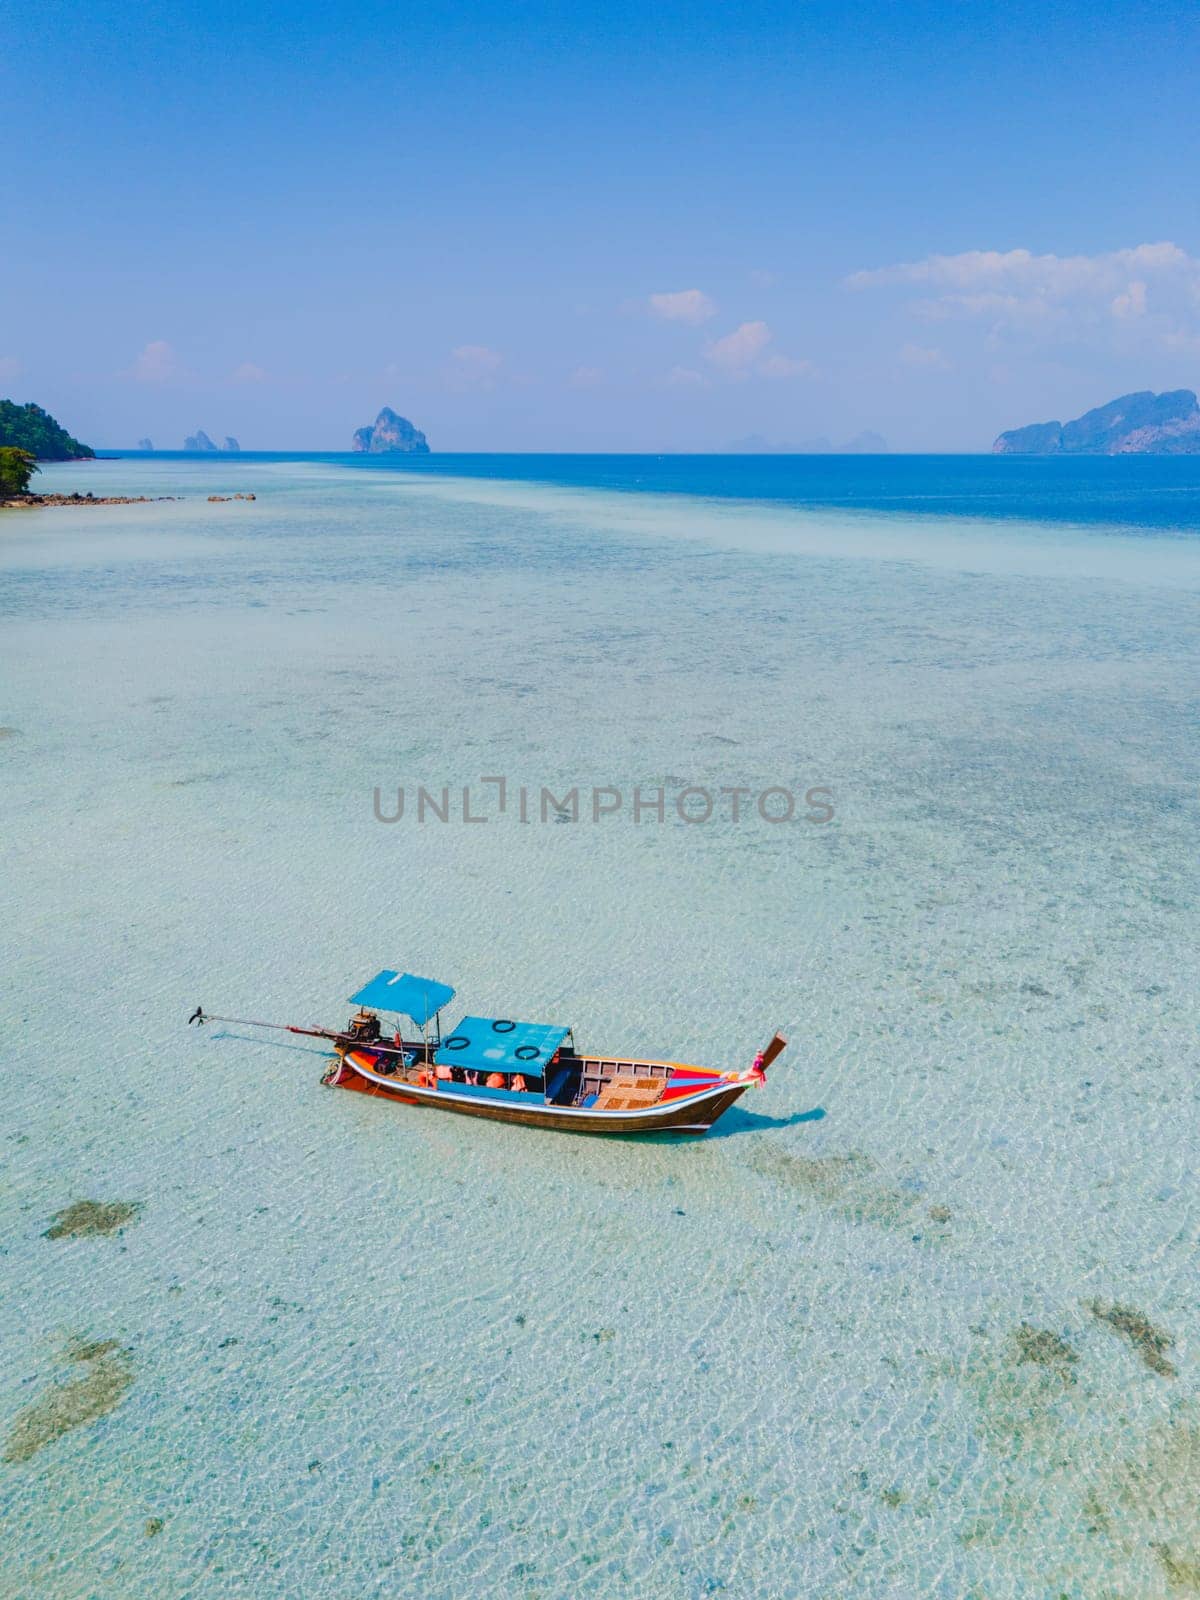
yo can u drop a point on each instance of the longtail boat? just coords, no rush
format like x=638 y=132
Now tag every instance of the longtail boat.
x=525 y=1072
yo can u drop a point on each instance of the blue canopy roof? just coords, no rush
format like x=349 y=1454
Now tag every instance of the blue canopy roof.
x=418 y=998
x=497 y=1045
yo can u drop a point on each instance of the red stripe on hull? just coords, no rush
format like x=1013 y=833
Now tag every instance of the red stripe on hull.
x=683 y=1116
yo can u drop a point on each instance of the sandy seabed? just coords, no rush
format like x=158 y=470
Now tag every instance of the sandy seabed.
x=919 y=1319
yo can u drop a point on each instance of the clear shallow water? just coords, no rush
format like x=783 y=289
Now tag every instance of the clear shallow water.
x=384 y=1352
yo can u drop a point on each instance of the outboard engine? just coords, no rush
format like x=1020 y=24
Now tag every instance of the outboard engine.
x=364 y=1027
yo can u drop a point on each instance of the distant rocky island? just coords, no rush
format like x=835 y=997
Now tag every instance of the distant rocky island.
x=30 y=428
x=200 y=441
x=390 y=435
x=1143 y=424
x=146 y=444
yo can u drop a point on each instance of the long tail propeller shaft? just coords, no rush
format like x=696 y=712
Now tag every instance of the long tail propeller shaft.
x=201 y=1016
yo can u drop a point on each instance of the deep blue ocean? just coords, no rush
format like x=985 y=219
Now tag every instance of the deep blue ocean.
x=1159 y=492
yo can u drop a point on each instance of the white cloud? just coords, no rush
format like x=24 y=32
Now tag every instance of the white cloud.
x=761 y=278
x=1156 y=286
x=742 y=354
x=10 y=367
x=684 y=305
x=1132 y=303
x=156 y=364
x=585 y=378
x=475 y=366
x=737 y=350
x=921 y=355
x=249 y=373
x=1022 y=272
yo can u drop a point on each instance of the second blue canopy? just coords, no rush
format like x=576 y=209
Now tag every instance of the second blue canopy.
x=495 y=1044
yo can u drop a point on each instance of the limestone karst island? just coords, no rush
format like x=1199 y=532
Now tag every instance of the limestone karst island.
x=1135 y=424
x=390 y=435
x=200 y=441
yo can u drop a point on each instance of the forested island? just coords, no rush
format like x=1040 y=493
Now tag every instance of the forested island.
x=30 y=428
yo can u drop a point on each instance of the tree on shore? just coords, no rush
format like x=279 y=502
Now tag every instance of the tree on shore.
x=30 y=428
x=17 y=467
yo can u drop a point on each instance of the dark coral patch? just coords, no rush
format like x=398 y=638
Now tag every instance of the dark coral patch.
x=1045 y=1349
x=85 y=1219
x=106 y=1377
x=1140 y=1333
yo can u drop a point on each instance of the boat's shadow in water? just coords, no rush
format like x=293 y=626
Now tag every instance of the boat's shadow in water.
x=736 y=1120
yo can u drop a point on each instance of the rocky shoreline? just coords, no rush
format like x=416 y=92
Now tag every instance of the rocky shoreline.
x=28 y=502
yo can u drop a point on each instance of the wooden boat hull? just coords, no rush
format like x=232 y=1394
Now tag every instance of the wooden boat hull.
x=692 y=1114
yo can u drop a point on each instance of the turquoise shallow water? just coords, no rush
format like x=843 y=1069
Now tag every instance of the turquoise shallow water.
x=845 y=1346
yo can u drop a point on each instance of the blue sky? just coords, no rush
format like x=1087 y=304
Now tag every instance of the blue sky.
x=642 y=227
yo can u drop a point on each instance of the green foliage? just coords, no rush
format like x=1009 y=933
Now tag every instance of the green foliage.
x=30 y=428
x=16 y=469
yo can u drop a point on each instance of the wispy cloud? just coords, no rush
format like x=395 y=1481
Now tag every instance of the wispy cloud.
x=683 y=305
x=923 y=355
x=686 y=378
x=1147 y=290
x=10 y=367
x=156 y=364
x=475 y=366
x=248 y=372
x=762 y=278
x=776 y=366
x=743 y=353
x=586 y=378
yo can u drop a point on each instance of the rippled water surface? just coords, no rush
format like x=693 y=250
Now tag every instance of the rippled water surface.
x=919 y=1319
